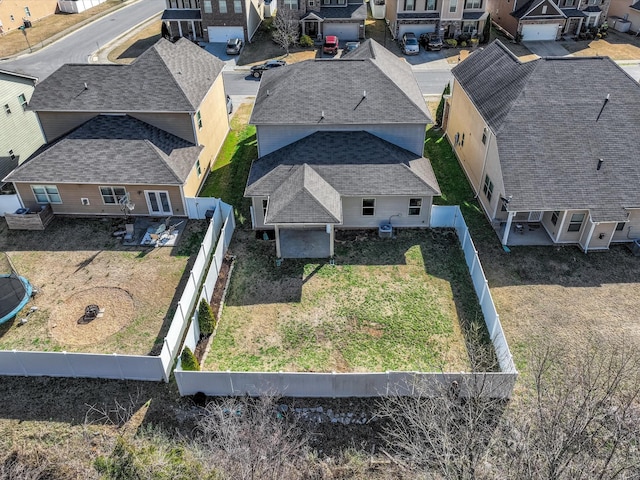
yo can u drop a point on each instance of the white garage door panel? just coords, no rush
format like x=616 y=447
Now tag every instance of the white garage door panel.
x=417 y=29
x=344 y=31
x=539 y=32
x=222 y=34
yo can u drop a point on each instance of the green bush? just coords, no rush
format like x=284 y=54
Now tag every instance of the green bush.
x=463 y=44
x=206 y=319
x=189 y=360
x=305 y=41
x=452 y=42
x=440 y=109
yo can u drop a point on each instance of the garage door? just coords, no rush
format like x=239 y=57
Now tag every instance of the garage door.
x=222 y=34
x=417 y=29
x=531 y=33
x=344 y=31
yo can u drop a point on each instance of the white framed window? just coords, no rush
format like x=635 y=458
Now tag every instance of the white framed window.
x=575 y=224
x=199 y=119
x=207 y=6
x=112 y=195
x=554 y=217
x=46 y=194
x=468 y=27
x=473 y=4
x=431 y=5
x=415 y=206
x=620 y=226
x=222 y=6
x=569 y=3
x=7 y=108
x=265 y=203
x=198 y=168
x=487 y=188
x=12 y=155
x=292 y=4
x=484 y=136
x=544 y=9
x=409 y=5
x=368 y=207
x=453 y=6
x=237 y=6
x=23 y=101
x=341 y=2
x=312 y=3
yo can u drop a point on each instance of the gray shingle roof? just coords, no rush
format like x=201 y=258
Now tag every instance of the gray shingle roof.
x=114 y=150
x=418 y=15
x=636 y=6
x=351 y=164
x=181 y=14
x=544 y=115
x=573 y=13
x=299 y=93
x=352 y=11
x=167 y=77
x=592 y=9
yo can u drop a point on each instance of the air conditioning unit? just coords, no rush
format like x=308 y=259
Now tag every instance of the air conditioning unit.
x=385 y=231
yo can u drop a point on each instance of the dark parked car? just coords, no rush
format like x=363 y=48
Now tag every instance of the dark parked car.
x=349 y=46
x=257 y=70
x=434 y=42
x=234 y=45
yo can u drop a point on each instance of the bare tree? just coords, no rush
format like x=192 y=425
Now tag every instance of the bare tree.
x=287 y=28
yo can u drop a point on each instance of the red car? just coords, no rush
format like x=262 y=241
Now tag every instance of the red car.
x=330 y=45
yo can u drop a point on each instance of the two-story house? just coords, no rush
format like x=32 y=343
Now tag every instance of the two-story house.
x=20 y=132
x=214 y=20
x=343 y=18
x=149 y=131
x=533 y=20
x=13 y=14
x=449 y=18
x=339 y=158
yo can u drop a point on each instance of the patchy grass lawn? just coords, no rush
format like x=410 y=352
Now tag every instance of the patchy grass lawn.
x=77 y=262
x=406 y=304
x=42 y=30
x=136 y=44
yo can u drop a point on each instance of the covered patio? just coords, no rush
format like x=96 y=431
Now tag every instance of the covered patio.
x=184 y=22
x=524 y=233
x=304 y=243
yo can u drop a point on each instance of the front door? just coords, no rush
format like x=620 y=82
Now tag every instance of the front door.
x=312 y=29
x=158 y=202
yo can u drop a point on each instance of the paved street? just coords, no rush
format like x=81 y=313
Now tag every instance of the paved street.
x=78 y=46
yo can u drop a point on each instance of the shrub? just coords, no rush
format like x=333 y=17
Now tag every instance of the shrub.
x=440 y=109
x=305 y=41
x=474 y=41
x=486 y=31
x=206 y=319
x=453 y=43
x=463 y=38
x=189 y=360
x=463 y=44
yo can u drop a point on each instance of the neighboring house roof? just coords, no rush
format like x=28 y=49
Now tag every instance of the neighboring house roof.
x=533 y=4
x=302 y=93
x=592 y=9
x=349 y=163
x=418 y=15
x=167 y=77
x=474 y=15
x=636 y=6
x=573 y=13
x=551 y=129
x=357 y=11
x=112 y=150
x=15 y=74
x=181 y=14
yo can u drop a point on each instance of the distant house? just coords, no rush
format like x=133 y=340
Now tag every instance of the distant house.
x=345 y=154
x=14 y=14
x=535 y=20
x=214 y=20
x=20 y=132
x=549 y=146
x=77 y=6
x=449 y=18
x=624 y=15
x=149 y=130
x=343 y=18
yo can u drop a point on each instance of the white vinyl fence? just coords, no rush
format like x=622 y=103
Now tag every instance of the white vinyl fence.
x=494 y=384
x=136 y=367
x=77 y=6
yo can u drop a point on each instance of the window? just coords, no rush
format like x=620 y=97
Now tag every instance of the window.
x=112 y=195
x=12 y=18
x=12 y=155
x=326 y=2
x=594 y=2
x=415 y=205
x=620 y=226
x=453 y=6
x=473 y=4
x=198 y=168
x=312 y=3
x=222 y=5
x=469 y=27
x=576 y=222
x=7 y=109
x=237 y=6
x=199 y=118
x=368 y=206
x=209 y=9
x=409 y=5
x=484 y=136
x=554 y=217
x=569 y=3
x=27 y=12
x=544 y=9
x=265 y=202
x=462 y=141
x=292 y=4
x=340 y=2
x=23 y=101
x=488 y=187
x=431 y=5
x=46 y=193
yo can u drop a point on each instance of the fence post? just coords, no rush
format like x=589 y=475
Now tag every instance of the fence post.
x=484 y=292
x=17 y=355
x=475 y=261
x=117 y=357
x=73 y=373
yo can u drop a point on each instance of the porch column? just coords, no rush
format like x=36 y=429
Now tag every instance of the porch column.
x=180 y=28
x=331 y=230
x=278 y=254
x=580 y=25
x=586 y=244
x=561 y=228
x=507 y=228
x=193 y=29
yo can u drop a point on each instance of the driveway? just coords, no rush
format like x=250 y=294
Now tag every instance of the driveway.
x=220 y=51
x=547 y=49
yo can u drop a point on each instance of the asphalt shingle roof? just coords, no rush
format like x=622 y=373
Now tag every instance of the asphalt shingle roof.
x=167 y=77
x=549 y=137
x=300 y=93
x=181 y=14
x=418 y=15
x=636 y=6
x=573 y=13
x=357 y=11
x=112 y=149
x=349 y=163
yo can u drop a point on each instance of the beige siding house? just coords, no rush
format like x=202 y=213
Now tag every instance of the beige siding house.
x=623 y=11
x=537 y=183
x=20 y=132
x=13 y=13
x=150 y=130
x=340 y=158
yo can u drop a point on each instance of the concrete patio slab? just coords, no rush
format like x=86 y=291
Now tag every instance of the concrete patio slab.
x=304 y=243
x=547 y=49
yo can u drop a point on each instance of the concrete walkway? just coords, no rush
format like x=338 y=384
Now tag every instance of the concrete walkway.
x=547 y=49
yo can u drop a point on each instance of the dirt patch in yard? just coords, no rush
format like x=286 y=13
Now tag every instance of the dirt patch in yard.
x=618 y=46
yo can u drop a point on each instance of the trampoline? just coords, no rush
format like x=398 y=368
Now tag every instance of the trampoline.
x=15 y=291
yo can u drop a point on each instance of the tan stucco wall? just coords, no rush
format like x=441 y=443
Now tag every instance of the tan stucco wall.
x=72 y=194
x=37 y=8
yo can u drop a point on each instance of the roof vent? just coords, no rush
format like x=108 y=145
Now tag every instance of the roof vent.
x=322 y=114
x=86 y=87
x=600 y=162
x=364 y=94
x=268 y=93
